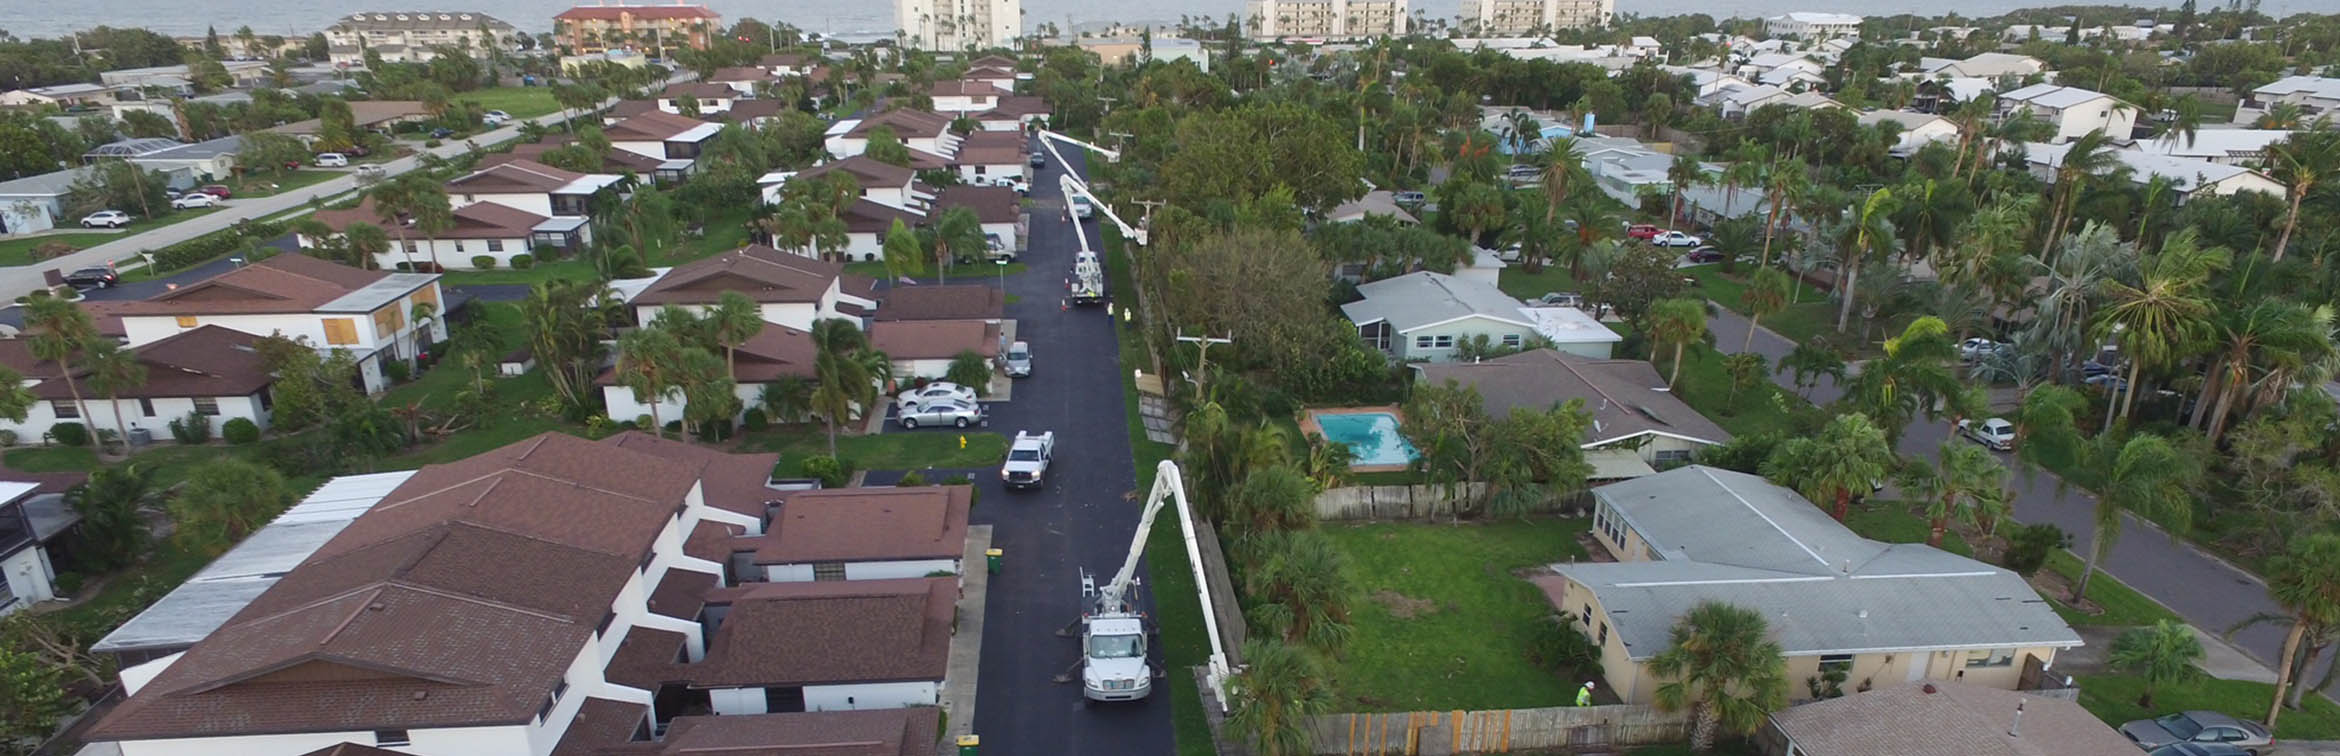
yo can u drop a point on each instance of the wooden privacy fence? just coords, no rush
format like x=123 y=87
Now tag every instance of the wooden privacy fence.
x=1442 y=733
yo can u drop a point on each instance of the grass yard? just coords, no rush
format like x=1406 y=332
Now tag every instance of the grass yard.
x=1812 y=316
x=51 y=458
x=519 y=102
x=962 y=273
x=1897 y=522
x=1758 y=408
x=270 y=184
x=575 y=270
x=899 y=450
x=2113 y=698
x=20 y=251
x=1442 y=622
x=2123 y=606
x=1519 y=283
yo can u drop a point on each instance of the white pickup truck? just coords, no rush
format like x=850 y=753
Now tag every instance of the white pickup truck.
x=1027 y=459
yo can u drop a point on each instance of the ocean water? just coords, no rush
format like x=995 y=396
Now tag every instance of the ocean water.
x=43 y=18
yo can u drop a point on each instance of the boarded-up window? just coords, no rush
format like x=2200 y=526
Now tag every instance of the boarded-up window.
x=386 y=322
x=186 y=321
x=340 y=331
x=430 y=294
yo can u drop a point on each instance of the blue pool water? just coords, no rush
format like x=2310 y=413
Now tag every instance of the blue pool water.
x=1371 y=436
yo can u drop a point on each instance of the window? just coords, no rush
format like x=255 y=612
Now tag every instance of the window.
x=1513 y=340
x=340 y=331
x=1604 y=635
x=1841 y=662
x=387 y=321
x=411 y=249
x=495 y=245
x=64 y=410
x=1421 y=342
x=1673 y=456
x=186 y=321
x=1990 y=657
x=1586 y=617
x=1443 y=342
x=145 y=407
x=390 y=738
x=205 y=405
x=828 y=571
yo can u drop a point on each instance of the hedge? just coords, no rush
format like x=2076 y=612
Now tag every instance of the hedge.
x=203 y=249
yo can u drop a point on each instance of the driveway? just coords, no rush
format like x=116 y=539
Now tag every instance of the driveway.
x=2202 y=588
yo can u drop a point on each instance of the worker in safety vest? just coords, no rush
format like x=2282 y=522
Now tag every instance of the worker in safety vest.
x=1584 y=695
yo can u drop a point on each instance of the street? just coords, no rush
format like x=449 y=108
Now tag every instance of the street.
x=2201 y=588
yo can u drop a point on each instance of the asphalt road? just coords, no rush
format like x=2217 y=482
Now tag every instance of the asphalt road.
x=2203 y=589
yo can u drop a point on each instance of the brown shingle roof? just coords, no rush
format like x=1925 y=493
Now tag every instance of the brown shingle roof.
x=731 y=482
x=210 y=361
x=680 y=594
x=779 y=60
x=868 y=525
x=1625 y=397
x=953 y=302
x=748 y=110
x=741 y=73
x=874 y=732
x=906 y=124
x=479 y=220
x=287 y=283
x=762 y=273
x=1955 y=719
x=705 y=90
x=625 y=109
x=966 y=88
x=645 y=658
x=775 y=352
x=934 y=339
x=864 y=169
x=1015 y=107
x=16 y=354
x=864 y=216
x=513 y=177
x=603 y=727
x=789 y=634
x=993 y=61
x=992 y=204
x=656 y=125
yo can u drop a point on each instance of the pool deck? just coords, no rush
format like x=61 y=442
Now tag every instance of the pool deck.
x=1308 y=425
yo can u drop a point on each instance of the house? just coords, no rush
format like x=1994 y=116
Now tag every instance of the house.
x=37 y=203
x=1881 y=613
x=375 y=315
x=1376 y=202
x=1939 y=95
x=414 y=37
x=1114 y=51
x=2072 y=110
x=673 y=140
x=1938 y=716
x=63 y=96
x=1917 y=129
x=2314 y=95
x=988 y=156
x=742 y=79
x=788 y=289
x=590 y=29
x=882 y=183
x=1000 y=72
x=241 y=74
x=1638 y=425
x=996 y=208
x=1813 y=26
x=1014 y=113
x=1762 y=68
x=788 y=64
x=925 y=348
x=870 y=732
x=706 y=98
x=480 y=229
x=960 y=97
x=202 y=162
x=564 y=198
x=1986 y=65
x=1707 y=84
x=776 y=352
x=860 y=534
x=944 y=302
x=29 y=519
x=928 y=135
x=515 y=602
x=2187 y=177
x=372 y=115
x=1422 y=317
x=208 y=371
x=2238 y=147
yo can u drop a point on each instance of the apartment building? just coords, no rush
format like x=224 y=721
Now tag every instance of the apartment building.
x=412 y=36
x=592 y=29
x=1271 y=20
x=1520 y=18
x=959 y=24
x=1813 y=26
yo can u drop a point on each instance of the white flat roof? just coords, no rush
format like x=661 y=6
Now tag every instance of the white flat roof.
x=1568 y=325
x=12 y=490
x=589 y=183
x=839 y=128
x=696 y=133
x=562 y=223
x=379 y=293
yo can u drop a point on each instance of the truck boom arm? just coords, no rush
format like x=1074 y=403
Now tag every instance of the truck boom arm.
x=1071 y=184
x=1169 y=486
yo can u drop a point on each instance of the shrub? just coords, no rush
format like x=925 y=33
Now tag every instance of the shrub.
x=523 y=262
x=68 y=583
x=483 y=262
x=195 y=428
x=431 y=143
x=397 y=371
x=240 y=431
x=53 y=250
x=970 y=369
x=715 y=430
x=754 y=420
x=831 y=473
x=69 y=434
x=2028 y=547
x=7 y=437
x=911 y=479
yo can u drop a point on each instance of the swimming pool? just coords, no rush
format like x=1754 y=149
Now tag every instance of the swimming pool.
x=1372 y=437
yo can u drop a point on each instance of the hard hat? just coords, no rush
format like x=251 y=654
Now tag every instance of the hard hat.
x=1588 y=684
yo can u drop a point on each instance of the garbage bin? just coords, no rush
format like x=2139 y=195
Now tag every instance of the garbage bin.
x=967 y=743
x=141 y=437
x=991 y=559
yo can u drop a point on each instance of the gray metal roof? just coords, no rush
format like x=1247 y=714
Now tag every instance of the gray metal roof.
x=382 y=291
x=207 y=600
x=49 y=515
x=1625 y=397
x=1735 y=538
x=133 y=147
x=45 y=185
x=226 y=145
x=1425 y=298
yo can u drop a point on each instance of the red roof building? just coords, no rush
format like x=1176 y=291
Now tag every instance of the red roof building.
x=589 y=29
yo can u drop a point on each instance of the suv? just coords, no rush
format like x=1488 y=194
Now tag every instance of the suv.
x=105 y=219
x=217 y=190
x=1082 y=208
x=332 y=160
x=996 y=250
x=1642 y=231
x=1039 y=160
x=1027 y=459
x=93 y=277
x=1017 y=363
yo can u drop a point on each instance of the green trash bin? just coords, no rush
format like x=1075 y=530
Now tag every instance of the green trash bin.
x=991 y=561
x=968 y=743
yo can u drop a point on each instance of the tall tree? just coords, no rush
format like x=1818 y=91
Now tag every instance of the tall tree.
x=112 y=370
x=1721 y=664
x=842 y=381
x=2162 y=653
x=567 y=320
x=2084 y=158
x=649 y=363
x=2145 y=475
x=224 y=500
x=1677 y=322
x=111 y=504
x=957 y=232
x=1912 y=377
x=2301 y=162
x=1966 y=484
x=61 y=332
x=1848 y=455
x=1280 y=687
x=2165 y=316
x=1766 y=295
x=902 y=253
x=2305 y=580
x=1868 y=228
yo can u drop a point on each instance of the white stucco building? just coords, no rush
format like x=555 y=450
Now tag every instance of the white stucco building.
x=1520 y=18
x=2072 y=110
x=376 y=316
x=1270 y=20
x=959 y=24
x=1806 y=25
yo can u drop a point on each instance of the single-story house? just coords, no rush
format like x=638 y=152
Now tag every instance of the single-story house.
x=203 y=162
x=1986 y=65
x=67 y=96
x=1422 y=316
x=1638 y=424
x=479 y=229
x=982 y=302
x=37 y=203
x=826 y=645
x=673 y=140
x=925 y=348
x=1939 y=716
x=1881 y=613
x=1376 y=202
x=1917 y=129
x=707 y=97
x=877 y=533
x=776 y=352
x=209 y=371
x=375 y=115
x=742 y=79
x=790 y=290
x=2313 y=94
x=2072 y=110
x=2188 y=177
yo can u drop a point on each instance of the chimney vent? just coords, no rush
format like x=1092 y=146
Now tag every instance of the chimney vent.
x=1929 y=688
x=2016 y=730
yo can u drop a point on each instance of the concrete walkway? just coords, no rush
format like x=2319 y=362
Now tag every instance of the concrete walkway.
x=959 y=677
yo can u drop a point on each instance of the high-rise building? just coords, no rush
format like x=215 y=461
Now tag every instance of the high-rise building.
x=1520 y=18
x=414 y=36
x=589 y=29
x=1328 y=19
x=959 y=24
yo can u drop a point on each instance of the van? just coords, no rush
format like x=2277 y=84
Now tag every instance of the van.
x=332 y=160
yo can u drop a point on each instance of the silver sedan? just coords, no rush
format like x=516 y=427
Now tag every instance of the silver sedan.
x=951 y=413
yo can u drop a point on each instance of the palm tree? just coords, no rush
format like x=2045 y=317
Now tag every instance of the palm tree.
x=956 y=232
x=2146 y=475
x=1677 y=322
x=366 y=243
x=2164 y=317
x=2187 y=124
x=2083 y=159
x=840 y=381
x=1766 y=295
x=1296 y=579
x=392 y=201
x=1966 y=484
x=1929 y=212
x=1725 y=669
x=1867 y=229
x=788 y=399
x=1811 y=361
x=1683 y=174
x=60 y=331
x=1848 y=455
x=1280 y=688
x=2281 y=115
x=1595 y=220
x=1784 y=183
x=649 y=362
x=734 y=320
x=2301 y=162
x=901 y=253
x=1910 y=378
x=112 y=370
x=2247 y=342
x=1563 y=163
x=2306 y=581
x=2161 y=653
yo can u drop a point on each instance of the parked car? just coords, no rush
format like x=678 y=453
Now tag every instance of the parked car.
x=495 y=117
x=332 y=160
x=1027 y=459
x=1082 y=208
x=1409 y=197
x=955 y=414
x=2107 y=381
x=1978 y=348
x=996 y=250
x=1996 y=433
x=172 y=192
x=217 y=190
x=1559 y=299
x=1704 y=255
x=1017 y=363
x=938 y=391
x=2092 y=368
x=93 y=277
x=1021 y=186
x=1522 y=172
x=442 y=132
x=105 y=219
x=1677 y=239
x=197 y=199
x=2199 y=727
x=1039 y=160
x=1642 y=231
x=2197 y=749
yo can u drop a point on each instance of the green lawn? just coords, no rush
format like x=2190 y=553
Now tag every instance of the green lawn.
x=20 y=251
x=51 y=458
x=961 y=272
x=1896 y=522
x=901 y=450
x=1758 y=408
x=270 y=184
x=519 y=102
x=1441 y=622
x=725 y=232
x=1812 y=316
x=2123 y=606
x=1516 y=281
x=575 y=270
x=2113 y=698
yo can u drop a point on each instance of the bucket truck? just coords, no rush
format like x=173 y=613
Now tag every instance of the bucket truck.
x=1113 y=629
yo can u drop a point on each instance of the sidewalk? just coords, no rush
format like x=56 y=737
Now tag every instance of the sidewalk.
x=959 y=677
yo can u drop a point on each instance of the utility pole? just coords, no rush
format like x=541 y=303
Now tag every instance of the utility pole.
x=1203 y=350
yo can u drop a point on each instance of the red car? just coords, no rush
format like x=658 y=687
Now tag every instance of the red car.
x=1643 y=231
x=216 y=190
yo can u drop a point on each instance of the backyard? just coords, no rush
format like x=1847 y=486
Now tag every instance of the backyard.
x=900 y=450
x=1443 y=621
x=519 y=102
x=20 y=251
x=2113 y=698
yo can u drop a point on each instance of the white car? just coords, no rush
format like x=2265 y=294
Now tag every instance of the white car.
x=938 y=391
x=495 y=117
x=1978 y=348
x=1021 y=186
x=107 y=219
x=1676 y=239
x=1996 y=433
x=1081 y=207
x=332 y=160
x=197 y=199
